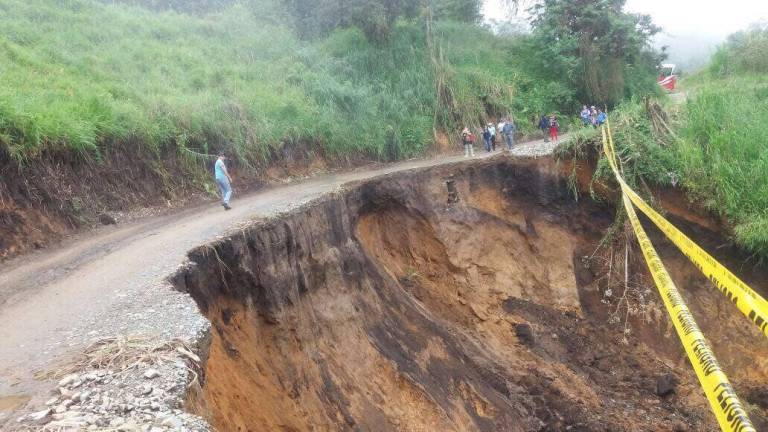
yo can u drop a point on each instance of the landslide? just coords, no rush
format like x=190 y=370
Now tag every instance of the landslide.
x=461 y=297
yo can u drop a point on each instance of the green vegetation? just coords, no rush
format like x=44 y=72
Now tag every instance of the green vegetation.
x=723 y=150
x=205 y=75
x=718 y=146
x=79 y=74
x=599 y=51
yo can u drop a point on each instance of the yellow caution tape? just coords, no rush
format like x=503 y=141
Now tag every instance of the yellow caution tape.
x=730 y=414
x=750 y=303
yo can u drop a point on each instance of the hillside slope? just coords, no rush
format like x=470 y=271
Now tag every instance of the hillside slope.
x=107 y=106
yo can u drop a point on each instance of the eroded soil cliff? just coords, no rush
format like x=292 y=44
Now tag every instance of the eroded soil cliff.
x=460 y=297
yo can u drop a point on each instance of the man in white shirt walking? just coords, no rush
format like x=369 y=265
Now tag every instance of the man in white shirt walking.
x=223 y=180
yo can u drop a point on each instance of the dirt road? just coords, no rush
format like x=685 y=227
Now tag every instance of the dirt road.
x=112 y=281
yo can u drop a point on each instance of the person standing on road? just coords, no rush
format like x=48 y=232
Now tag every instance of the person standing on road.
x=544 y=126
x=601 y=117
x=223 y=180
x=553 y=127
x=487 y=139
x=492 y=129
x=585 y=116
x=468 y=140
x=509 y=133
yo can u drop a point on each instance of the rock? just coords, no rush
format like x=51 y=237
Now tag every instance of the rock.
x=67 y=424
x=146 y=389
x=51 y=401
x=40 y=417
x=61 y=409
x=665 y=385
x=524 y=333
x=129 y=426
x=106 y=219
x=116 y=422
x=151 y=374
x=67 y=380
x=69 y=416
x=172 y=422
x=65 y=393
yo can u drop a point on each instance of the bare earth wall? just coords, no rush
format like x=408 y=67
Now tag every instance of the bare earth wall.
x=451 y=298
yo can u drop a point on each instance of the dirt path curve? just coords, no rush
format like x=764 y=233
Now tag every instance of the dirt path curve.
x=112 y=281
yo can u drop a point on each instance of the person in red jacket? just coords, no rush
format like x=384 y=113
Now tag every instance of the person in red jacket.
x=469 y=142
x=553 y=127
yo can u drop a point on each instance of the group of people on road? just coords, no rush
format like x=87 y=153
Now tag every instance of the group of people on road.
x=549 y=126
x=592 y=116
x=506 y=129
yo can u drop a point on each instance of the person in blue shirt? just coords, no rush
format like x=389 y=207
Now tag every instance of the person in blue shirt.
x=601 y=117
x=223 y=180
x=585 y=116
x=544 y=126
x=492 y=129
x=487 y=138
x=509 y=133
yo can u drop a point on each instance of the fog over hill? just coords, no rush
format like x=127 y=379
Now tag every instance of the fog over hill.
x=689 y=51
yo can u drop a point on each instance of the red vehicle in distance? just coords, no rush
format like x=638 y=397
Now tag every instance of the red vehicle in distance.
x=667 y=77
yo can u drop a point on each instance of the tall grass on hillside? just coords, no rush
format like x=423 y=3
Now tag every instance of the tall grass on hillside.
x=719 y=153
x=724 y=154
x=80 y=74
x=744 y=52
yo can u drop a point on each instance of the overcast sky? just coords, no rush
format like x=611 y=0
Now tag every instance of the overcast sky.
x=684 y=16
x=719 y=18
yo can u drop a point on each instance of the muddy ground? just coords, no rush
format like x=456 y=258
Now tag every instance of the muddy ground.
x=459 y=297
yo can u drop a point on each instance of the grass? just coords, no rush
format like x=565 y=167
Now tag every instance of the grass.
x=723 y=154
x=718 y=151
x=78 y=75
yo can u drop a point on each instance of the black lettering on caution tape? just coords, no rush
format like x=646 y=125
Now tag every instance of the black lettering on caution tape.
x=705 y=357
x=735 y=413
x=686 y=319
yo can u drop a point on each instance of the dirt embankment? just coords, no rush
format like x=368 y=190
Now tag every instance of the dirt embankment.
x=464 y=297
x=58 y=192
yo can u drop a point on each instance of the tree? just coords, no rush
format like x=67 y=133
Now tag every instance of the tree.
x=184 y=6
x=457 y=10
x=609 y=46
x=376 y=18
